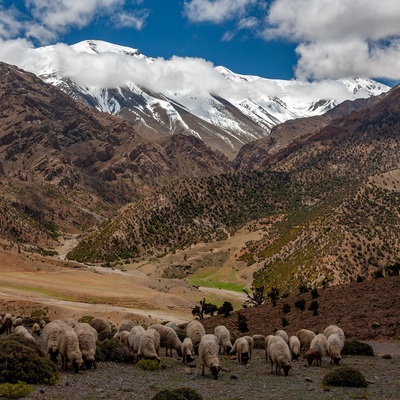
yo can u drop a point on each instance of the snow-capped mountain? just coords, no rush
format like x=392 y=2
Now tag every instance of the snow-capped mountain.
x=186 y=95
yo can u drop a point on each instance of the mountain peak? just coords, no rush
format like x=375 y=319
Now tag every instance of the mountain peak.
x=101 y=47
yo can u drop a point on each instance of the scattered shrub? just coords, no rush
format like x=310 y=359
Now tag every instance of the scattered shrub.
x=225 y=309
x=356 y=348
x=15 y=390
x=113 y=350
x=104 y=335
x=242 y=323
x=285 y=322
x=314 y=307
x=22 y=360
x=148 y=365
x=303 y=289
x=86 y=319
x=178 y=394
x=314 y=294
x=300 y=304
x=286 y=308
x=345 y=376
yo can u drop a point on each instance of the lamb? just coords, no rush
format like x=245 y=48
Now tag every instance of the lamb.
x=68 y=346
x=294 y=346
x=101 y=325
x=335 y=329
x=125 y=325
x=134 y=339
x=334 y=348
x=208 y=351
x=195 y=331
x=36 y=329
x=149 y=347
x=224 y=338
x=282 y=334
x=87 y=338
x=187 y=350
x=22 y=331
x=6 y=325
x=316 y=351
x=168 y=338
x=242 y=348
x=305 y=336
x=279 y=354
x=17 y=321
x=42 y=323
x=50 y=336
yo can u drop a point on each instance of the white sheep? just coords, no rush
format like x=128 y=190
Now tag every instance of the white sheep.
x=267 y=340
x=195 y=331
x=123 y=338
x=125 y=325
x=282 y=334
x=251 y=345
x=72 y=322
x=187 y=350
x=172 y=325
x=279 y=355
x=42 y=323
x=21 y=331
x=68 y=346
x=305 y=336
x=258 y=337
x=101 y=325
x=17 y=321
x=169 y=338
x=242 y=349
x=208 y=353
x=36 y=329
x=317 y=350
x=335 y=329
x=294 y=346
x=224 y=339
x=50 y=338
x=134 y=339
x=334 y=347
x=87 y=338
x=149 y=347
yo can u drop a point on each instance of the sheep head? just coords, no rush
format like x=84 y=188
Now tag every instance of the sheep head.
x=214 y=369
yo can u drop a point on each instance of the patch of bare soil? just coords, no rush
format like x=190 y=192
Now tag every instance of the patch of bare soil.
x=253 y=381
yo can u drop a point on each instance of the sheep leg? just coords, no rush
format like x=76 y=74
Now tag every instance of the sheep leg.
x=202 y=372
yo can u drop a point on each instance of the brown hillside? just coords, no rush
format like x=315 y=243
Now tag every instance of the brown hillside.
x=368 y=310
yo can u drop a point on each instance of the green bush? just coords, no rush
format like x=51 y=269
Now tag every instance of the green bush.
x=242 y=323
x=113 y=350
x=300 y=304
x=286 y=308
x=345 y=376
x=85 y=319
x=148 y=365
x=23 y=360
x=15 y=390
x=178 y=394
x=356 y=348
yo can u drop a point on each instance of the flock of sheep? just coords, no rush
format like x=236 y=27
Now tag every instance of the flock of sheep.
x=76 y=343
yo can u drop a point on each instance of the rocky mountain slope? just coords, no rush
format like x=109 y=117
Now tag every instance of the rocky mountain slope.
x=327 y=206
x=65 y=166
x=161 y=98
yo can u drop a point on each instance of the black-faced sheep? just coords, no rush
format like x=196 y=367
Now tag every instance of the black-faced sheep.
x=101 y=325
x=149 y=347
x=317 y=350
x=169 y=338
x=224 y=339
x=294 y=345
x=279 y=355
x=22 y=331
x=50 y=338
x=195 y=331
x=208 y=354
x=68 y=346
x=187 y=350
x=242 y=349
x=87 y=338
x=334 y=347
x=305 y=336
x=6 y=325
x=251 y=345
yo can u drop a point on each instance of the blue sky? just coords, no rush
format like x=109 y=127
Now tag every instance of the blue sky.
x=305 y=39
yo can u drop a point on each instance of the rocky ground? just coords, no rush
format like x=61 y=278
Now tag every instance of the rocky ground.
x=254 y=381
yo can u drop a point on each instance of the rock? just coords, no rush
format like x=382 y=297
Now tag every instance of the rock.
x=387 y=356
x=307 y=379
x=375 y=325
x=235 y=377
